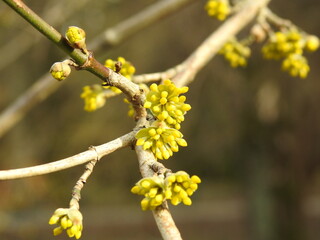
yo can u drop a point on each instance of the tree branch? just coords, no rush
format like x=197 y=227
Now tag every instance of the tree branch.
x=14 y=48
x=45 y=86
x=113 y=36
x=93 y=153
x=161 y=214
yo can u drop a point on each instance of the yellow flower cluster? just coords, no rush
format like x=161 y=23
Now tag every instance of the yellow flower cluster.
x=69 y=219
x=165 y=103
x=127 y=70
x=236 y=53
x=160 y=139
x=289 y=46
x=76 y=37
x=94 y=97
x=153 y=190
x=282 y=44
x=60 y=70
x=219 y=9
x=177 y=187
x=296 y=65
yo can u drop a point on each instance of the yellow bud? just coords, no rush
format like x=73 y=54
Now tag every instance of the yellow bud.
x=145 y=183
x=145 y=204
x=78 y=235
x=175 y=200
x=64 y=222
x=154 y=87
x=54 y=220
x=187 y=201
x=140 y=141
x=147 y=104
x=57 y=231
x=70 y=232
x=135 y=189
x=76 y=37
x=312 y=43
x=171 y=178
x=177 y=188
x=159 y=198
x=60 y=70
x=152 y=132
x=163 y=100
x=195 y=179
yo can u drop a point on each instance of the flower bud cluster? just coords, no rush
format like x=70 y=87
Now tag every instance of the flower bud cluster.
x=296 y=65
x=289 y=47
x=180 y=186
x=94 y=97
x=76 y=37
x=126 y=69
x=60 y=70
x=219 y=9
x=160 y=139
x=236 y=53
x=166 y=104
x=152 y=189
x=69 y=219
x=176 y=187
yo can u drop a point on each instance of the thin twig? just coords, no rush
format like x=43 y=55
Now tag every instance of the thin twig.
x=82 y=58
x=98 y=151
x=14 y=48
x=161 y=214
x=76 y=191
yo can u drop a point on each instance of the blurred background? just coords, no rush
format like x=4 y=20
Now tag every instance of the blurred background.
x=253 y=133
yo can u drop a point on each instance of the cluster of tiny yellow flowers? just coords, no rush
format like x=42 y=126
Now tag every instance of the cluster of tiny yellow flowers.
x=94 y=97
x=219 y=9
x=180 y=186
x=69 y=219
x=127 y=69
x=60 y=70
x=177 y=187
x=289 y=46
x=165 y=103
x=296 y=65
x=235 y=53
x=153 y=190
x=76 y=37
x=160 y=139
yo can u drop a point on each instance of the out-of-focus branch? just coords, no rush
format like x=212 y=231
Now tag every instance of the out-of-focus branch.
x=134 y=24
x=48 y=31
x=43 y=87
x=14 y=48
x=96 y=152
x=209 y=48
x=39 y=91
x=161 y=214
x=185 y=72
x=154 y=77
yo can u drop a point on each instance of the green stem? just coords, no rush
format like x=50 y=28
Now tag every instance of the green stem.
x=47 y=30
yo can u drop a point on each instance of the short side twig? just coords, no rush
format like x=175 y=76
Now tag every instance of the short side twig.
x=76 y=191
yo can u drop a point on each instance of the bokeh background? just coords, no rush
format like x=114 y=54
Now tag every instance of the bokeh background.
x=253 y=133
